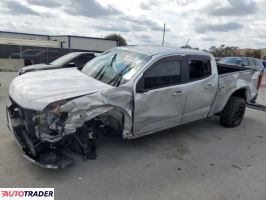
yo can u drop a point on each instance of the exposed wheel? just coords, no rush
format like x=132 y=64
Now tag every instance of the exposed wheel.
x=233 y=112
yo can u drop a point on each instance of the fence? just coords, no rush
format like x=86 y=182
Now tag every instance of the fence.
x=33 y=54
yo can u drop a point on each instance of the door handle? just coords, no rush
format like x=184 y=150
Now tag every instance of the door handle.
x=177 y=93
x=209 y=85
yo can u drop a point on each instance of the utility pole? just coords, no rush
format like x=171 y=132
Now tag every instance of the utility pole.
x=163 y=33
x=187 y=42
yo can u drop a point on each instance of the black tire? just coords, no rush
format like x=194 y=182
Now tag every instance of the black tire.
x=233 y=112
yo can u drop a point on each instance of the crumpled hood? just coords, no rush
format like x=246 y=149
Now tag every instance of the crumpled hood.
x=37 y=90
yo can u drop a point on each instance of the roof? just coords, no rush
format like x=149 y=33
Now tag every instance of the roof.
x=161 y=50
x=32 y=34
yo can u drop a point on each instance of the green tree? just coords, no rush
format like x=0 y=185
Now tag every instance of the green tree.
x=255 y=53
x=223 y=51
x=120 y=40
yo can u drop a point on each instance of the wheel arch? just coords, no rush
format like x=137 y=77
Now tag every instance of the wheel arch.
x=106 y=114
x=241 y=92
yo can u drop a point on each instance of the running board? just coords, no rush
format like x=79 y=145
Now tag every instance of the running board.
x=257 y=106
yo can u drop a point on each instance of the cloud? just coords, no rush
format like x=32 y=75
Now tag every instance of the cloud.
x=90 y=8
x=113 y=28
x=233 y=8
x=185 y=2
x=146 y=39
x=143 y=24
x=207 y=38
x=24 y=28
x=230 y=26
x=45 y=3
x=16 y=8
x=149 y=5
x=129 y=24
x=145 y=6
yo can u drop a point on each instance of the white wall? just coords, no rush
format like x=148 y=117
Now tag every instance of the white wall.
x=91 y=44
x=76 y=42
x=63 y=39
x=85 y=43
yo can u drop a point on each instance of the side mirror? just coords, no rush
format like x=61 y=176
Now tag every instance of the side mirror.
x=243 y=65
x=71 y=64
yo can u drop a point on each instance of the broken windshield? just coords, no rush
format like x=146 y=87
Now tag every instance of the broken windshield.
x=115 y=67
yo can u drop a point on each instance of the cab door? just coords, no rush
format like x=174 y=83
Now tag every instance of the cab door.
x=202 y=87
x=160 y=96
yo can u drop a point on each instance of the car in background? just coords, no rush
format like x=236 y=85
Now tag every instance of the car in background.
x=74 y=59
x=243 y=62
x=217 y=59
x=264 y=63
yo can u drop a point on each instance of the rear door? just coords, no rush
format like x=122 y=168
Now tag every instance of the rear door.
x=160 y=96
x=202 y=87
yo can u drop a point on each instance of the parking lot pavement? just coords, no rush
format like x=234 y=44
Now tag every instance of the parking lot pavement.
x=201 y=160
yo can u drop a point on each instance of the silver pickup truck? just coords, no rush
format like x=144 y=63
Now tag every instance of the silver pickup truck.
x=127 y=91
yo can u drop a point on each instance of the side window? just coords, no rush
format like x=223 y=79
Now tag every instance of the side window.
x=87 y=58
x=162 y=74
x=199 y=69
x=81 y=60
x=76 y=61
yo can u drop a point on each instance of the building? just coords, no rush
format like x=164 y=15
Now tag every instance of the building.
x=29 y=48
x=57 y=41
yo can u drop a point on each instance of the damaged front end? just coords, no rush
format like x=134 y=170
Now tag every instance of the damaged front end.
x=42 y=138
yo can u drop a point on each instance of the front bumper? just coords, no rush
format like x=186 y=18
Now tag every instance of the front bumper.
x=16 y=127
x=42 y=153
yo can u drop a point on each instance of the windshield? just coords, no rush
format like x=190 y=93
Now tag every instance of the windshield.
x=231 y=61
x=115 y=67
x=64 y=59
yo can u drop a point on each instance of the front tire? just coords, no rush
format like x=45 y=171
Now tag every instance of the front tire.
x=233 y=112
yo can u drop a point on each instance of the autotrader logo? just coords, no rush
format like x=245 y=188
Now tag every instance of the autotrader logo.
x=26 y=193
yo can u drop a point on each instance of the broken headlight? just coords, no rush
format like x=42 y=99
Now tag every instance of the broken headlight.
x=56 y=118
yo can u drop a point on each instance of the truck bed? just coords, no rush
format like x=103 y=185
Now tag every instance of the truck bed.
x=225 y=69
x=232 y=78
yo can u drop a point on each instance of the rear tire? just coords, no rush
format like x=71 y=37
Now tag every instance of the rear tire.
x=233 y=112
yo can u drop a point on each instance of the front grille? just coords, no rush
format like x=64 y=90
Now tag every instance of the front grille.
x=26 y=115
x=24 y=127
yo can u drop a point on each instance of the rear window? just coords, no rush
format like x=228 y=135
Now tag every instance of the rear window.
x=199 y=69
